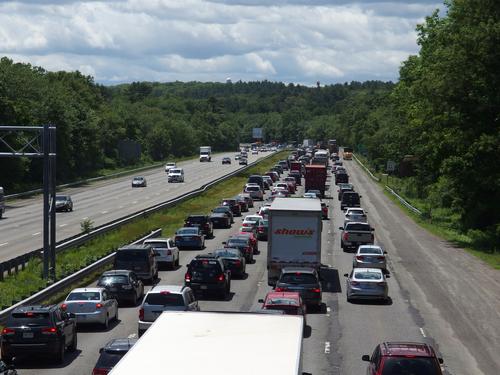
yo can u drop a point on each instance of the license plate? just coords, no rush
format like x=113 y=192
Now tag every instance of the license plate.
x=203 y=287
x=27 y=335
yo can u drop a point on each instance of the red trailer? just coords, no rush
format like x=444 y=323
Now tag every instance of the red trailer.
x=316 y=178
x=296 y=166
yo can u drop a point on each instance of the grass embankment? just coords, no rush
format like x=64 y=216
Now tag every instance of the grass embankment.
x=440 y=221
x=28 y=281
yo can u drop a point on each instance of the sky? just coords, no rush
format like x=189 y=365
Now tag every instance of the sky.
x=291 y=41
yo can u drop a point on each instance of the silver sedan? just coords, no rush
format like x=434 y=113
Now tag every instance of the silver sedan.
x=91 y=305
x=366 y=283
x=370 y=256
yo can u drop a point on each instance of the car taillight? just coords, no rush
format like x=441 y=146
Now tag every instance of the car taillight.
x=169 y=252
x=237 y=262
x=345 y=236
x=7 y=331
x=248 y=249
x=360 y=257
x=187 y=277
x=354 y=283
x=221 y=277
x=207 y=225
x=49 y=330
x=100 y=371
x=64 y=306
x=316 y=290
x=141 y=314
x=261 y=229
x=380 y=258
x=245 y=225
x=98 y=305
x=177 y=238
x=280 y=289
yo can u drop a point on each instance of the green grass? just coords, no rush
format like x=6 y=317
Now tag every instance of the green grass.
x=29 y=281
x=442 y=222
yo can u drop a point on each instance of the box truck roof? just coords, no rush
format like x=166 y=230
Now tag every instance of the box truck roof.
x=296 y=204
x=204 y=343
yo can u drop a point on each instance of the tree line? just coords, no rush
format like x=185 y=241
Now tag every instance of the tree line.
x=443 y=111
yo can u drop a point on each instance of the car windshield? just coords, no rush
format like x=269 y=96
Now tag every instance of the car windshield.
x=370 y=250
x=113 y=279
x=188 y=231
x=413 y=366
x=164 y=299
x=366 y=275
x=28 y=318
x=175 y=171
x=138 y=178
x=84 y=296
x=360 y=227
x=298 y=278
x=221 y=210
x=237 y=242
x=61 y=198
x=281 y=301
x=253 y=219
x=109 y=359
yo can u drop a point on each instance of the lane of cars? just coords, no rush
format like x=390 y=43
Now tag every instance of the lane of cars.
x=284 y=300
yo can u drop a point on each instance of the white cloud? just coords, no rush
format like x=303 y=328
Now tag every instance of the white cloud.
x=292 y=41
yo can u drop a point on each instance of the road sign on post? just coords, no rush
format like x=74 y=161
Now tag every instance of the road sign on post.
x=391 y=166
x=257 y=133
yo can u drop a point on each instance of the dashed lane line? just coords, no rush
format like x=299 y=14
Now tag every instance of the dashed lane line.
x=36 y=234
x=3 y=244
x=422 y=332
x=327 y=347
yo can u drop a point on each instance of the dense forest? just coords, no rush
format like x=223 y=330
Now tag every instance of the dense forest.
x=444 y=111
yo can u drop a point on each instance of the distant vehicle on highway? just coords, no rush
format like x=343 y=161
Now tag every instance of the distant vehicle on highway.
x=289 y=302
x=138 y=258
x=237 y=157
x=243 y=161
x=262 y=230
x=175 y=175
x=350 y=199
x=91 y=305
x=233 y=204
x=370 y=256
x=38 y=330
x=255 y=191
x=226 y=160
x=244 y=244
x=343 y=188
x=234 y=260
x=169 y=166
x=366 y=283
x=139 y=181
x=123 y=285
x=201 y=221
x=303 y=280
x=224 y=210
x=356 y=234
x=162 y=298
x=403 y=358
x=111 y=354
x=207 y=274
x=190 y=238
x=64 y=203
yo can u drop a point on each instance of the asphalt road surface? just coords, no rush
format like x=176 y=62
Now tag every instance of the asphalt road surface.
x=22 y=226
x=439 y=295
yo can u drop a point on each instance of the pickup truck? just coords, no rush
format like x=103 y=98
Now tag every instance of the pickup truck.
x=355 y=234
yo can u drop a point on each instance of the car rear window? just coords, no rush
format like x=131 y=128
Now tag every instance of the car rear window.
x=281 y=301
x=202 y=265
x=413 y=366
x=188 y=231
x=227 y=253
x=367 y=275
x=221 y=210
x=29 y=318
x=113 y=279
x=237 y=242
x=358 y=226
x=84 y=296
x=164 y=299
x=252 y=188
x=196 y=219
x=370 y=250
x=158 y=244
x=131 y=255
x=298 y=278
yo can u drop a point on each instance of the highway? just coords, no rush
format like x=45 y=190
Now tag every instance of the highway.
x=439 y=295
x=22 y=225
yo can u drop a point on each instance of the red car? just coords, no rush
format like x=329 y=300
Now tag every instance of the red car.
x=403 y=358
x=289 y=302
x=253 y=240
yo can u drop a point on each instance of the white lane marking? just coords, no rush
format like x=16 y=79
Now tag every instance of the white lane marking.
x=132 y=336
x=104 y=212
x=328 y=311
x=422 y=332
x=36 y=234
x=327 y=347
x=84 y=218
x=62 y=225
x=120 y=207
x=134 y=202
x=3 y=244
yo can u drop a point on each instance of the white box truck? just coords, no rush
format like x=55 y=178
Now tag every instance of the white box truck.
x=216 y=343
x=294 y=235
x=205 y=153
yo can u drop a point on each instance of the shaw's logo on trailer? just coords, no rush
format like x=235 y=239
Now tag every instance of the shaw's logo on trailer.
x=295 y=232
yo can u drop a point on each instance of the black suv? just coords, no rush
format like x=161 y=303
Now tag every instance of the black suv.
x=33 y=330
x=202 y=221
x=112 y=352
x=123 y=285
x=207 y=273
x=235 y=207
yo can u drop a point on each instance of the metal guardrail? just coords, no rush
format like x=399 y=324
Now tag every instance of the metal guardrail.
x=400 y=198
x=20 y=261
x=62 y=284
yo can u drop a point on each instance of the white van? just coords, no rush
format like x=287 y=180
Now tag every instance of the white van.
x=176 y=175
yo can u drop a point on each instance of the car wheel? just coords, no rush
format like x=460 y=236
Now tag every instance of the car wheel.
x=62 y=352
x=106 y=322
x=74 y=342
x=7 y=359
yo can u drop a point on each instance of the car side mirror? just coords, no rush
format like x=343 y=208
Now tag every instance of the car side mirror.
x=365 y=358
x=346 y=274
x=101 y=350
x=361 y=196
x=224 y=243
x=372 y=229
x=387 y=276
x=385 y=252
x=440 y=360
x=261 y=300
x=341 y=228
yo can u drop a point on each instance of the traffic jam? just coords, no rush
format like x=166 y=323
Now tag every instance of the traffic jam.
x=279 y=218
